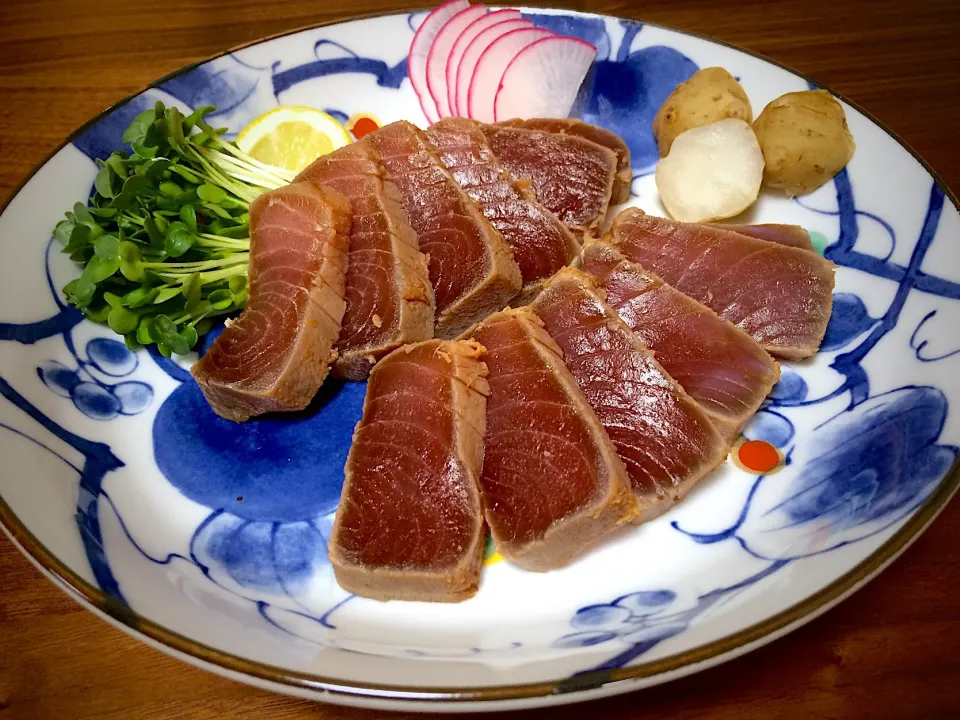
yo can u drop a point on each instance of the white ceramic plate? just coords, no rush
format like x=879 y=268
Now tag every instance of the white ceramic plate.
x=124 y=488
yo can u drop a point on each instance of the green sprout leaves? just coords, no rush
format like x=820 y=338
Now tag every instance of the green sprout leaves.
x=164 y=241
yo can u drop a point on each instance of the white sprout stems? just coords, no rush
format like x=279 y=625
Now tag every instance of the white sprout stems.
x=218 y=241
x=206 y=277
x=214 y=174
x=279 y=173
x=241 y=258
x=272 y=179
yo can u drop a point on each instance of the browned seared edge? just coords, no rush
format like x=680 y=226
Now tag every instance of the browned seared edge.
x=594 y=133
x=790 y=235
x=410 y=524
x=269 y=360
x=518 y=333
x=388 y=292
x=471 y=266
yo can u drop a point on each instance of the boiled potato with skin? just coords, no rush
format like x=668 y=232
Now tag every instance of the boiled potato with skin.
x=712 y=172
x=805 y=141
x=709 y=95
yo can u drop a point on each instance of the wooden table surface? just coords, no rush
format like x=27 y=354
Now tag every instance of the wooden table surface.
x=892 y=651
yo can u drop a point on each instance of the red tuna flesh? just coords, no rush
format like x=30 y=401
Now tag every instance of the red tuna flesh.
x=791 y=235
x=541 y=243
x=779 y=295
x=409 y=525
x=276 y=354
x=718 y=364
x=552 y=483
x=471 y=266
x=594 y=133
x=388 y=292
x=665 y=439
x=571 y=176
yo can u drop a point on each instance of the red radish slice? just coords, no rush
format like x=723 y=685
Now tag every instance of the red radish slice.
x=472 y=55
x=543 y=79
x=460 y=47
x=440 y=53
x=491 y=66
x=420 y=47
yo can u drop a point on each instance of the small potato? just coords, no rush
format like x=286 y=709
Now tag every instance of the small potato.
x=709 y=95
x=805 y=141
x=712 y=172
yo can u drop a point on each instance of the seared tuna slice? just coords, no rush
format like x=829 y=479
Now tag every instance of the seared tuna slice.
x=541 y=243
x=277 y=353
x=553 y=485
x=409 y=525
x=471 y=266
x=665 y=439
x=388 y=291
x=718 y=364
x=792 y=235
x=594 y=133
x=779 y=295
x=571 y=176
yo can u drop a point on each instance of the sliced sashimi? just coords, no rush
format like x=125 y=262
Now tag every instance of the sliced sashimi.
x=544 y=78
x=792 y=235
x=275 y=356
x=460 y=47
x=439 y=54
x=541 y=243
x=779 y=295
x=594 y=133
x=716 y=363
x=665 y=439
x=552 y=483
x=471 y=266
x=420 y=49
x=409 y=525
x=488 y=73
x=388 y=292
x=474 y=51
x=571 y=176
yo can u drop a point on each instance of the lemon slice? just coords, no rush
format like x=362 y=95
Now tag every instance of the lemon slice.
x=292 y=136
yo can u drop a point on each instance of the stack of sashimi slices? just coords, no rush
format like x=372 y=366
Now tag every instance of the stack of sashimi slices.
x=619 y=376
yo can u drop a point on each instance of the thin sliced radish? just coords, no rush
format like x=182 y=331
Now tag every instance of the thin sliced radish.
x=490 y=68
x=440 y=52
x=460 y=47
x=543 y=79
x=472 y=55
x=420 y=47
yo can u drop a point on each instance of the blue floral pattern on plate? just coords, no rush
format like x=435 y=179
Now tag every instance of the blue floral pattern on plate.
x=94 y=396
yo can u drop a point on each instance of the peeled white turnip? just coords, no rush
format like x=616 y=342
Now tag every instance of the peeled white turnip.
x=712 y=172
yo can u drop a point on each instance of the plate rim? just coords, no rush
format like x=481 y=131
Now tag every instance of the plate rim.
x=714 y=652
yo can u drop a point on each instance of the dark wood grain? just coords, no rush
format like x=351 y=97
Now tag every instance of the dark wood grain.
x=892 y=651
